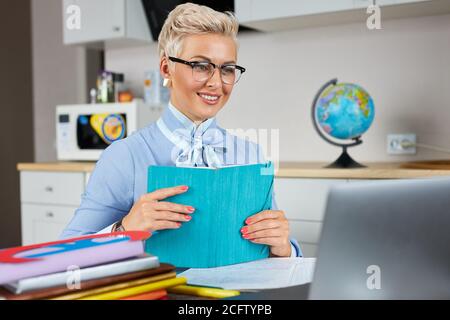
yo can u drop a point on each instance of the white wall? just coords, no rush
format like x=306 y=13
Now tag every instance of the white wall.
x=59 y=74
x=405 y=67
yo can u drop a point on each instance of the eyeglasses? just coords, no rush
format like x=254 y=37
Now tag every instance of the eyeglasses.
x=203 y=70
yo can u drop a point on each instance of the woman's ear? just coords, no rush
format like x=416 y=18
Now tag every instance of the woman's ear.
x=165 y=71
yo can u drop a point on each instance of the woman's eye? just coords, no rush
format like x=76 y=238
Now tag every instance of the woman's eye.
x=201 y=67
x=228 y=70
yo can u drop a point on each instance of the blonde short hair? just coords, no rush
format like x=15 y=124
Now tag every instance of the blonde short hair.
x=189 y=19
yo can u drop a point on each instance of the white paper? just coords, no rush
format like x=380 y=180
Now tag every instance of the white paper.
x=268 y=273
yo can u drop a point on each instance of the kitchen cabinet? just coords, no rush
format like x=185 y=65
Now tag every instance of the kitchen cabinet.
x=43 y=222
x=304 y=202
x=113 y=22
x=48 y=202
x=268 y=15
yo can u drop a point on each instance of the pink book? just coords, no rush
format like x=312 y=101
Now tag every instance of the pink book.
x=45 y=258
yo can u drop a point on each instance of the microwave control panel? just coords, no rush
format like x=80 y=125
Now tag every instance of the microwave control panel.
x=63 y=132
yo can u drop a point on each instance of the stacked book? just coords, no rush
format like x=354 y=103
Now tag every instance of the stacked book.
x=95 y=267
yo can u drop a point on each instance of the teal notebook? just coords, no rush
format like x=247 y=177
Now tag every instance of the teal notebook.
x=223 y=199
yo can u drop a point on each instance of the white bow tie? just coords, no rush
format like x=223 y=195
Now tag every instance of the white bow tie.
x=197 y=149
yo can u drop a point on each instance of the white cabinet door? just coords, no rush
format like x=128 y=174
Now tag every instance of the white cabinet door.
x=303 y=199
x=256 y=10
x=304 y=202
x=367 y=3
x=363 y=4
x=99 y=20
x=269 y=15
x=305 y=231
x=44 y=223
x=64 y=188
x=307 y=234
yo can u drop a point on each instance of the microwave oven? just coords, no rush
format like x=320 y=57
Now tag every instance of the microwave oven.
x=83 y=131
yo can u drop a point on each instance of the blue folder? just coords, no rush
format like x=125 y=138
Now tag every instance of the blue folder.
x=223 y=199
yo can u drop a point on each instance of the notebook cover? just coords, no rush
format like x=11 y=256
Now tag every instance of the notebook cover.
x=45 y=258
x=86 y=285
x=223 y=199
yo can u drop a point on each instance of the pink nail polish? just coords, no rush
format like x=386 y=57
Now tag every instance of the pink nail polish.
x=248 y=221
x=244 y=230
x=188 y=218
x=191 y=209
x=184 y=188
x=246 y=236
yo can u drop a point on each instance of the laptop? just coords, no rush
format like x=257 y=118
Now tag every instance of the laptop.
x=385 y=239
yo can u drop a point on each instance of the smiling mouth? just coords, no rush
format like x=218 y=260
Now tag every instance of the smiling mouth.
x=209 y=99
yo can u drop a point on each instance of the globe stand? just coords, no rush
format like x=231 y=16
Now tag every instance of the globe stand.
x=345 y=161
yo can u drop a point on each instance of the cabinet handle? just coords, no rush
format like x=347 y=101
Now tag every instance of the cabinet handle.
x=49 y=214
x=49 y=189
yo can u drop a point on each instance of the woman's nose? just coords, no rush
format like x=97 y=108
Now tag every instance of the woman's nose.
x=215 y=80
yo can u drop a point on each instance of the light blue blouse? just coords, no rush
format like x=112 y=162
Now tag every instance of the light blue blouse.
x=120 y=178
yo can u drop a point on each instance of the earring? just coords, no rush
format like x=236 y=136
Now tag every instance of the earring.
x=166 y=82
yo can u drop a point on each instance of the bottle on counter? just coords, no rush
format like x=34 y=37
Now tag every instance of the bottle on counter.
x=105 y=87
x=110 y=87
x=118 y=80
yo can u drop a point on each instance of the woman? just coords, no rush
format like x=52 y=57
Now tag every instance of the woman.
x=198 y=54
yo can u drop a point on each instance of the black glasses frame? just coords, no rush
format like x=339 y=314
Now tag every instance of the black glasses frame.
x=192 y=64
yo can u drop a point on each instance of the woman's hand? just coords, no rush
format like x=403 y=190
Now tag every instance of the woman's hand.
x=150 y=214
x=269 y=227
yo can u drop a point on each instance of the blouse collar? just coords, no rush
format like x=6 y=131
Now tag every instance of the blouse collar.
x=175 y=119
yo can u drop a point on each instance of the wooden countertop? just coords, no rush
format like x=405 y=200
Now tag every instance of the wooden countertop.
x=74 y=166
x=374 y=170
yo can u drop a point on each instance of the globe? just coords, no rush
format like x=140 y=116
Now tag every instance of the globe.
x=343 y=111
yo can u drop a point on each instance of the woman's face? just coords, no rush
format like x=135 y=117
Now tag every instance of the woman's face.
x=186 y=93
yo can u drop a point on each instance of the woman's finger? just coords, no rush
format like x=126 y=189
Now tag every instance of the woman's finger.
x=170 y=216
x=266 y=214
x=261 y=225
x=163 y=193
x=174 y=207
x=277 y=232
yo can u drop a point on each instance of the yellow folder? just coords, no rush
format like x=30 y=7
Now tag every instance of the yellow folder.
x=114 y=287
x=114 y=295
x=204 y=291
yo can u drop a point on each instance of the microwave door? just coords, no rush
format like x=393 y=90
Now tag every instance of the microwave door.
x=98 y=131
